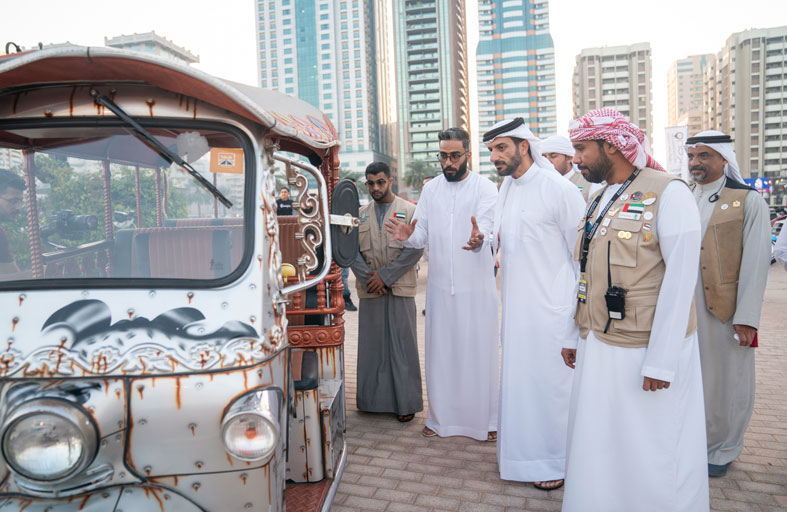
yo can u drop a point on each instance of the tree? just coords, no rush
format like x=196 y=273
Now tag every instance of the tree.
x=417 y=172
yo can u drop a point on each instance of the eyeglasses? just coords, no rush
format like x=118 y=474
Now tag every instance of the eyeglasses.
x=379 y=183
x=453 y=156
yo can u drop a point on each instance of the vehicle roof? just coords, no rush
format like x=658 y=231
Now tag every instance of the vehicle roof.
x=284 y=115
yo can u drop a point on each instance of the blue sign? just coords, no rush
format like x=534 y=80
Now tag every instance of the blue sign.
x=759 y=184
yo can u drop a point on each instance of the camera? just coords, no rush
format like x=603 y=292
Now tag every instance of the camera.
x=66 y=224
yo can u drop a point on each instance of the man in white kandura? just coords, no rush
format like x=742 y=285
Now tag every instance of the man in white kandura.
x=455 y=215
x=560 y=153
x=636 y=428
x=537 y=216
x=734 y=262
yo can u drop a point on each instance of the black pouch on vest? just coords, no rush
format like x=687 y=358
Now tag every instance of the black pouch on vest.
x=616 y=302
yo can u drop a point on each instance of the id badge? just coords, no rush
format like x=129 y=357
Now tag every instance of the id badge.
x=582 y=292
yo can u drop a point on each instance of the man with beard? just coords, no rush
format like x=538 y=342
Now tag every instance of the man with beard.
x=636 y=430
x=537 y=216
x=389 y=372
x=455 y=215
x=734 y=264
x=12 y=189
x=559 y=151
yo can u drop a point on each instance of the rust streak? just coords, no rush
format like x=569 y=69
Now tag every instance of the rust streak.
x=84 y=501
x=193 y=430
x=229 y=459
x=155 y=492
x=13 y=111
x=141 y=388
x=190 y=296
x=14 y=321
x=177 y=392
x=195 y=109
x=150 y=103
x=21 y=299
x=106 y=387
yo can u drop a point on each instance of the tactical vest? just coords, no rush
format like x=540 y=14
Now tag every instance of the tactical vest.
x=582 y=184
x=629 y=241
x=378 y=248
x=722 y=250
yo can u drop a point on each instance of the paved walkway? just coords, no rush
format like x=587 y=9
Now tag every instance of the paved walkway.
x=392 y=467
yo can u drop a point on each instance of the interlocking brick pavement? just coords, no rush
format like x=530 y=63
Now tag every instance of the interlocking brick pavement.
x=392 y=467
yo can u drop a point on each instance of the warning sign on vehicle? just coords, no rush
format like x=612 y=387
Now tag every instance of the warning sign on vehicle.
x=226 y=160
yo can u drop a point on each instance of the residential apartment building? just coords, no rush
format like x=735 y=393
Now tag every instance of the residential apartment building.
x=431 y=74
x=154 y=44
x=746 y=97
x=515 y=67
x=685 y=79
x=325 y=52
x=618 y=77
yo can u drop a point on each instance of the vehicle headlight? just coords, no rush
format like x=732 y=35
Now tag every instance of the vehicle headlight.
x=250 y=428
x=48 y=439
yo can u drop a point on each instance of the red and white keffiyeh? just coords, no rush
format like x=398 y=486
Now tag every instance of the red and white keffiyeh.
x=610 y=125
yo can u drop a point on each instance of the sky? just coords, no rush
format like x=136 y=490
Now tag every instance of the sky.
x=223 y=33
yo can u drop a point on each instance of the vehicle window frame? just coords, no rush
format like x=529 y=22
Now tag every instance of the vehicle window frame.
x=147 y=282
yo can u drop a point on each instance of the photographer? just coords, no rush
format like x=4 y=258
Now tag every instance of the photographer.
x=12 y=188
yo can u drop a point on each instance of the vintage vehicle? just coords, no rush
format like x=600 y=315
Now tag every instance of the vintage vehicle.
x=168 y=342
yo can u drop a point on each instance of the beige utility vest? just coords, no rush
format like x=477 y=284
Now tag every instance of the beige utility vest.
x=582 y=184
x=634 y=260
x=722 y=250
x=378 y=248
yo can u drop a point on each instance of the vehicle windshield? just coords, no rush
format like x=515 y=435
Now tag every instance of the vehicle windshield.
x=95 y=202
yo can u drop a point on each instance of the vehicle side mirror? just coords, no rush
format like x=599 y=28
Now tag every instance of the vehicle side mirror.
x=344 y=223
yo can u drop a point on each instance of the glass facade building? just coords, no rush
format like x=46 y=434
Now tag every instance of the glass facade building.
x=516 y=67
x=323 y=52
x=431 y=74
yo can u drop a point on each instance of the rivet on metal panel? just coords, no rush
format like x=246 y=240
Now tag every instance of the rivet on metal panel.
x=22 y=298
x=143 y=421
x=152 y=293
x=248 y=505
x=195 y=486
x=252 y=319
x=199 y=464
x=244 y=476
x=198 y=385
x=118 y=437
x=193 y=428
x=141 y=388
x=103 y=443
x=122 y=474
x=190 y=296
x=130 y=313
x=166 y=496
x=224 y=305
x=252 y=286
x=85 y=293
x=147 y=470
x=120 y=424
x=105 y=495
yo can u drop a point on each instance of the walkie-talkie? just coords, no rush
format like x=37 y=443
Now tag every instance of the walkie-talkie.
x=615 y=296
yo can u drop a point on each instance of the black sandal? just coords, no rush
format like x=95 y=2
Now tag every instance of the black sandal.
x=405 y=418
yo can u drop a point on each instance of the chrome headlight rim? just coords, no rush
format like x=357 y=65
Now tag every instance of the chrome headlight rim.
x=64 y=409
x=263 y=403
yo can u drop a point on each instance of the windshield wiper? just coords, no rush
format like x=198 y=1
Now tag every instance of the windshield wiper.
x=163 y=151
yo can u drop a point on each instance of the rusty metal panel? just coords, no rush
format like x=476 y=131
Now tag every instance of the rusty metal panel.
x=304 y=463
x=175 y=427
x=99 y=501
x=332 y=416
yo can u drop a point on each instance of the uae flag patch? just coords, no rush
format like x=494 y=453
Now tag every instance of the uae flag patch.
x=400 y=215
x=634 y=208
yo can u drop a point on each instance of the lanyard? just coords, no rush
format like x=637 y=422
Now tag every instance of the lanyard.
x=590 y=230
